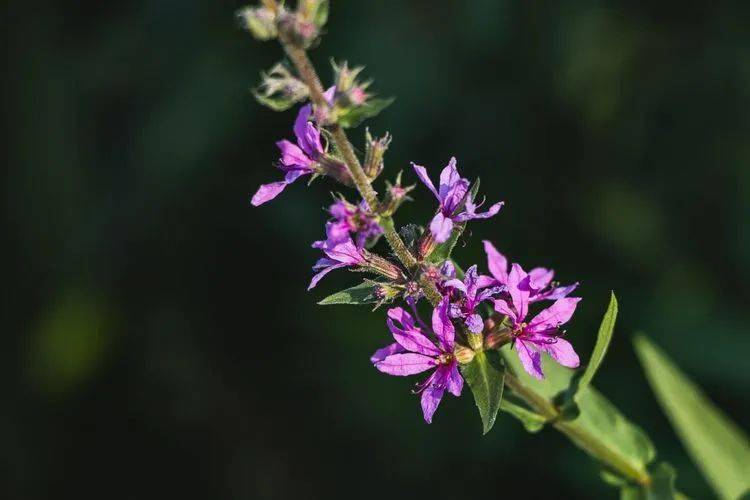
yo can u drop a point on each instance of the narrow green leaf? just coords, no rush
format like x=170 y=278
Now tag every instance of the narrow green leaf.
x=357 y=115
x=485 y=376
x=532 y=422
x=720 y=449
x=661 y=487
x=603 y=339
x=364 y=293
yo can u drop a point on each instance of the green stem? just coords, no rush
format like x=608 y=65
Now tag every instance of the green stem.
x=582 y=438
x=588 y=442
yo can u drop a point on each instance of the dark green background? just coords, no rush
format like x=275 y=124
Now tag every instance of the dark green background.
x=159 y=340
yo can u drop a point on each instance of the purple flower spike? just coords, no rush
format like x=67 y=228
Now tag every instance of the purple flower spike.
x=413 y=352
x=541 y=286
x=542 y=333
x=296 y=159
x=456 y=202
x=340 y=252
x=467 y=295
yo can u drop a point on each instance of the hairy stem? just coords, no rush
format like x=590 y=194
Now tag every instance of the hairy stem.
x=588 y=442
x=310 y=77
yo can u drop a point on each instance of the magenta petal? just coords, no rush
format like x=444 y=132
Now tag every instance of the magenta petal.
x=412 y=340
x=400 y=315
x=449 y=178
x=539 y=277
x=386 y=351
x=311 y=143
x=433 y=393
x=267 y=192
x=560 y=292
x=455 y=383
x=292 y=155
x=422 y=174
x=442 y=325
x=321 y=274
x=300 y=123
x=503 y=307
x=555 y=315
x=403 y=364
x=530 y=358
x=496 y=262
x=474 y=323
x=517 y=287
x=441 y=227
x=455 y=283
x=562 y=352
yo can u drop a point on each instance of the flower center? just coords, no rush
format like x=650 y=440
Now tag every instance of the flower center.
x=445 y=358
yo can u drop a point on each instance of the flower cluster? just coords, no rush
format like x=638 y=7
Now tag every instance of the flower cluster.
x=471 y=311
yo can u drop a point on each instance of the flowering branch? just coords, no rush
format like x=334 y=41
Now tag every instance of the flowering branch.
x=510 y=347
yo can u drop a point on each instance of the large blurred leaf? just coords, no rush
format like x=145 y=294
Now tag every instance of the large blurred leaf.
x=719 y=448
x=599 y=418
x=485 y=376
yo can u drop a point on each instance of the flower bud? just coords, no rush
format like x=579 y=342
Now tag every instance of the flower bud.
x=385 y=268
x=280 y=89
x=298 y=30
x=375 y=149
x=497 y=339
x=475 y=340
x=259 y=21
x=395 y=195
x=463 y=354
x=385 y=292
x=427 y=245
x=333 y=167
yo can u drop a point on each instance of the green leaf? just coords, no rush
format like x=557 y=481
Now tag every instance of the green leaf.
x=353 y=117
x=444 y=250
x=720 y=449
x=485 y=376
x=603 y=339
x=532 y=422
x=661 y=487
x=321 y=15
x=598 y=417
x=581 y=380
x=364 y=293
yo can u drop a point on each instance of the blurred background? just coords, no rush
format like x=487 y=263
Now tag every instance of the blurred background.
x=159 y=338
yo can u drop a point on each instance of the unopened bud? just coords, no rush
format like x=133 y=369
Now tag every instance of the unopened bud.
x=280 y=89
x=395 y=195
x=497 y=339
x=386 y=292
x=375 y=148
x=463 y=354
x=298 y=30
x=259 y=21
x=426 y=245
x=333 y=167
x=385 y=267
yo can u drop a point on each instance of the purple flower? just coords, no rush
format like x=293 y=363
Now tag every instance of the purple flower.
x=468 y=294
x=354 y=220
x=340 y=252
x=456 y=202
x=413 y=352
x=540 y=279
x=540 y=334
x=296 y=159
